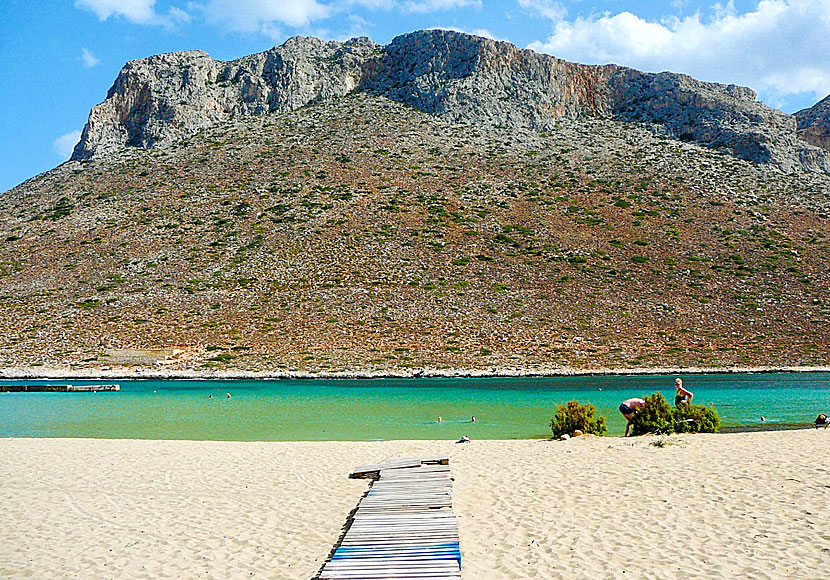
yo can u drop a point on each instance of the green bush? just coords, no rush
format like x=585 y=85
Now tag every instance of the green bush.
x=695 y=419
x=657 y=416
x=573 y=416
x=653 y=417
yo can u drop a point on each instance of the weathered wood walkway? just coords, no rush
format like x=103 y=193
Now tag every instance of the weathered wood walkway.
x=404 y=528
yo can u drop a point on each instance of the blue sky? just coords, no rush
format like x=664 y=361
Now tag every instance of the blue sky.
x=59 y=58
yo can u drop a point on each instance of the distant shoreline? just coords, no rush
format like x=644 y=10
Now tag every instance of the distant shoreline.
x=154 y=373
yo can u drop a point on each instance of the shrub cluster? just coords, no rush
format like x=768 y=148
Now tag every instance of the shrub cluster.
x=653 y=417
x=572 y=416
x=695 y=419
x=657 y=416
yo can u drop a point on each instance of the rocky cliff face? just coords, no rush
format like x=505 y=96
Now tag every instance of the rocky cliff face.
x=814 y=124
x=162 y=99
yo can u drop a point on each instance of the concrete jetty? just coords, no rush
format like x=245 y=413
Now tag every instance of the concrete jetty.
x=58 y=388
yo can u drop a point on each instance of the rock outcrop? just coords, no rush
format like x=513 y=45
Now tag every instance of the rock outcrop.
x=163 y=99
x=814 y=124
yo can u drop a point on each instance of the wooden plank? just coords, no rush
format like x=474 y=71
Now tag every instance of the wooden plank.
x=399 y=464
x=374 y=551
x=412 y=541
x=440 y=459
x=381 y=566
x=419 y=525
x=434 y=514
x=396 y=575
x=404 y=567
x=419 y=562
x=414 y=535
x=434 y=538
x=401 y=572
x=391 y=554
x=401 y=551
x=416 y=525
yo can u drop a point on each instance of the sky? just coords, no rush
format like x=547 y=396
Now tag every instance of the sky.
x=58 y=58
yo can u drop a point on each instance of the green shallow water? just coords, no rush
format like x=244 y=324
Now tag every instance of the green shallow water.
x=367 y=409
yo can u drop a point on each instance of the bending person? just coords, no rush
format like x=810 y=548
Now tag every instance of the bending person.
x=628 y=408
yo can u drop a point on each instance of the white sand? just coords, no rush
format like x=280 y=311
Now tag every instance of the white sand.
x=751 y=505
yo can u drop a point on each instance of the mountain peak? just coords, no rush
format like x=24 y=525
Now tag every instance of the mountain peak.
x=814 y=124
x=160 y=100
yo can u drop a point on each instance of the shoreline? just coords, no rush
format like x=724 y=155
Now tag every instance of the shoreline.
x=154 y=373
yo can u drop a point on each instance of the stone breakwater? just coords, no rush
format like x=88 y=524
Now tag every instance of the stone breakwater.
x=161 y=100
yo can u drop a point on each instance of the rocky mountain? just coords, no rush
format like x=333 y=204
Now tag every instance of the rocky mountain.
x=158 y=101
x=814 y=124
x=360 y=234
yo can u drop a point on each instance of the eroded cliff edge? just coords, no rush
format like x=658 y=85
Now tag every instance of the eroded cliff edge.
x=160 y=100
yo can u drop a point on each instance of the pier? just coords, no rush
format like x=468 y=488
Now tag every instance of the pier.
x=58 y=388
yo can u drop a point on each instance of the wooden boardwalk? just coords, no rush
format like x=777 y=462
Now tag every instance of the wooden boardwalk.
x=404 y=528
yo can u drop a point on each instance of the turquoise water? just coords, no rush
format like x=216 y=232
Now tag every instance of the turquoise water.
x=288 y=410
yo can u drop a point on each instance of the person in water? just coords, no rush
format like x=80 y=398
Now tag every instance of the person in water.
x=628 y=408
x=683 y=395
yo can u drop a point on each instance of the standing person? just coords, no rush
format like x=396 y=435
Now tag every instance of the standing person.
x=628 y=408
x=683 y=395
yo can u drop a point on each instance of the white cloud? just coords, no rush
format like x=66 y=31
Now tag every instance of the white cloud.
x=546 y=8
x=429 y=6
x=353 y=26
x=263 y=15
x=269 y=17
x=779 y=48
x=89 y=59
x=65 y=144
x=416 y=6
x=483 y=32
x=137 y=11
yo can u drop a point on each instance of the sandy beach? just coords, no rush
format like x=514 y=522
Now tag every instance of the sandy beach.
x=746 y=505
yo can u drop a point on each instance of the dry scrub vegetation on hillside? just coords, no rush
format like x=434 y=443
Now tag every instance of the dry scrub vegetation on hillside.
x=363 y=235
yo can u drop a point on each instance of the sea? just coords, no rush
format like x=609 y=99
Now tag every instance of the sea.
x=392 y=409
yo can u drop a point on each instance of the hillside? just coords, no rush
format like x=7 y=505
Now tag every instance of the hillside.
x=361 y=234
